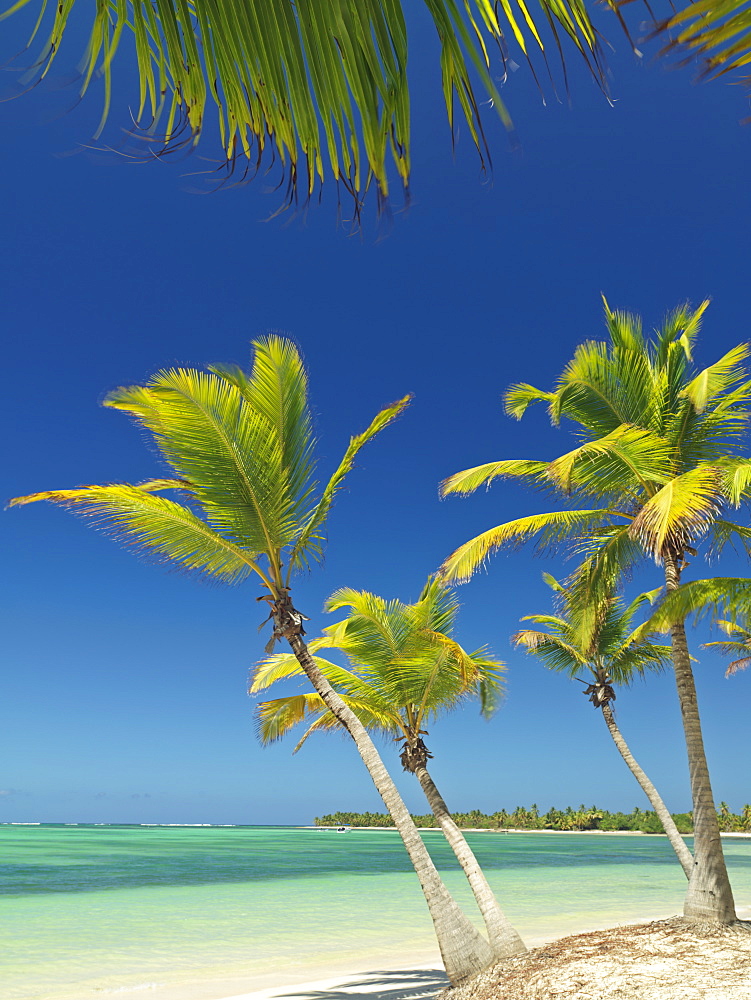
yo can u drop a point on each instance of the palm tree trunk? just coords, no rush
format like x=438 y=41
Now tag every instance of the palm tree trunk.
x=709 y=896
x=668 y=824
x=504 y=940
x=464 y=950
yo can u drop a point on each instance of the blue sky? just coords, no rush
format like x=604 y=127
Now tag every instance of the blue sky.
x=124 y=691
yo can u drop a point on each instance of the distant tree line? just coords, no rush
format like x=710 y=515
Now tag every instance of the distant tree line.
x=521 y=818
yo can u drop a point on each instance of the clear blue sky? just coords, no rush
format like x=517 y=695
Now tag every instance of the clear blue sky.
x=124 y=684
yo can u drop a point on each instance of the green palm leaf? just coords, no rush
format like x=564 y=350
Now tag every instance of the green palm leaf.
x=228 y=450
x=716 y=32
x=309 y=542
x=483 y=475
x=322 y=86
x=610 y=464
x=241 y=447
x=718 y=595
x=157 y=525
x=718 y=379
x=547 y=529
x=680 y=512
x=278 y=389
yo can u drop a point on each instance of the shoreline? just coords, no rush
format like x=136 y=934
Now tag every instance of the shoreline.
x=375 y=983
x=503 y=830
x=418 y=979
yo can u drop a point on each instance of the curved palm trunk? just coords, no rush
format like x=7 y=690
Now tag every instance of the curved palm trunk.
x=709 y=896
x=464 y=950
x=504 y=940
x=668 y=824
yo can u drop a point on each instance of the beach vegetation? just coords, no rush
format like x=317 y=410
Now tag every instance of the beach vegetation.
x=571 y=819
x=240 y=453
x=603 y=644
x=660 y=452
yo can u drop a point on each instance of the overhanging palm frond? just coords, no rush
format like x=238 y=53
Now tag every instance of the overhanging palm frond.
x=157 y=525
x=322 y=85
x=716 y=32
x=546 y=529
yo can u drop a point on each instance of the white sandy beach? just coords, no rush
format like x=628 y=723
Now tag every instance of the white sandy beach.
x=418 y=981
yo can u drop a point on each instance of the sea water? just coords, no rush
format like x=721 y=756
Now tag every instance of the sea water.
x=90 y=911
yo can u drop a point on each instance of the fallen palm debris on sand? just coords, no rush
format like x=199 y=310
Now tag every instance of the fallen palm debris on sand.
x=663 y=960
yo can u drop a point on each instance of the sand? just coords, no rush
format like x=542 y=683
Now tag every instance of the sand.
x=659 y=960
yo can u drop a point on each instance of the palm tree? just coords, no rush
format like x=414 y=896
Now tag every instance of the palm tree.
x=404 y=669
x=240 y=450
x=613 y=653
x=661 y=452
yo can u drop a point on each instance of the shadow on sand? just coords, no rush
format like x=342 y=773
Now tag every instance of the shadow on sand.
x=402 y=984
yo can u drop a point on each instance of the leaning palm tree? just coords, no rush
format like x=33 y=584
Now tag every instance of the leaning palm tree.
x=661 y=454
x=613 y=652
x=404 y=670
x=240 y=452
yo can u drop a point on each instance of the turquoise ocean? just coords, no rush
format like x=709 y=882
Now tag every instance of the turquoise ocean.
x=93 y=911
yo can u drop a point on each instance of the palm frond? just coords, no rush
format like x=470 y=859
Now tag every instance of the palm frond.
x=736 y=665
x=278 y=389
x=482 y=475
x=636 y=658
x=738 y=473
x=547 y=529
x=158 y=526
x=554 y=652
x=277 y=716
x=321 y=86
x=519 y=397
x=588 y=392
x=437 y=607
x=718 y=379
x=723 y=532
x=717 y=34
x=309 y=541
x=680 y=512
x=282 y=666
x=716 y=596
x=228 y=450
x=613 y=463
